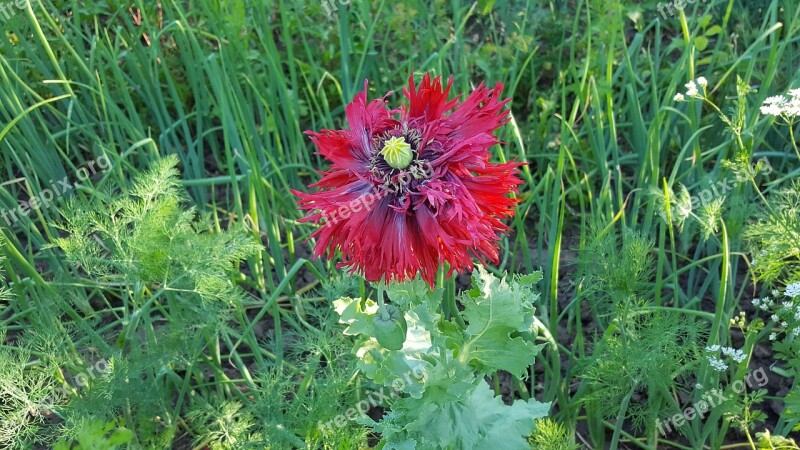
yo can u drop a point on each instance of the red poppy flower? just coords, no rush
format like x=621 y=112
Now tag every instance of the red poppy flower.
x=412 y=188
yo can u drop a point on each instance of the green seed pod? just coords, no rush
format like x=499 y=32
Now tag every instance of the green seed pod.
x=390 y=327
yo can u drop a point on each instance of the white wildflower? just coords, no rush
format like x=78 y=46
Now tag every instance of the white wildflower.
x=717 y=363
x=702 y=81
x=735 y=354
x=678 y=97
x=691 y=89
x=792 y=109
x=792 y=290
x=772 y=110
x=775 y=99
x=779 y=105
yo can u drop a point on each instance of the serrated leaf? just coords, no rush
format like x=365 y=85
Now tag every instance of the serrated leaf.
x=511 y=424
x=531 y=278
x=503 y=308
x=515 y=357
x=408 y=364
x=414 y=292
x=792 y=404
x=358 y=319
x=477 y=420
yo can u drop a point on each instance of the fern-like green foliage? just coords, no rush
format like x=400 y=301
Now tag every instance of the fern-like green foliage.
x=616 y=270
x=128 y=384
x=26 y=393
x=289 y=402
x=791 y=412
x=768 y=441
x=645 y=354
x=27 y=384
x=774 y=238
x=328 y=362
x=173 y=273
x=221 y=424
x=145 y=235
x=175 y=276
x=551 y=435
x=97 y=435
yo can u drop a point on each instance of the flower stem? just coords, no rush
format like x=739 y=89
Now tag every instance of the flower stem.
x=450 y=294
x=791 y=138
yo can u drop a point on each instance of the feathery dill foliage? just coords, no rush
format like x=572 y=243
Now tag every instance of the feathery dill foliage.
x=97 y=434
x=635 y=364
x=289 y=401
x=220 y=424
x=129 y=384
x=145 y=235
x=25 y=385
x=642 y=354
x=774 y=238
x=616 y=270
x=172 y=274
x=287 y=404
x=551 y=435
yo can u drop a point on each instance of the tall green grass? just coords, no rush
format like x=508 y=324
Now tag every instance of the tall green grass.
x=228 y=87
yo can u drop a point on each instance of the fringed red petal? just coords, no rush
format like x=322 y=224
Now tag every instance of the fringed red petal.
x=394 y=224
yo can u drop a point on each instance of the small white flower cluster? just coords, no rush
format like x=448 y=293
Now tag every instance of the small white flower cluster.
x=763 y=304
x=792 y=290
x=782 y=106
x=717 y=362
x=735 y=353
x=692 y=91
x=786 y=314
